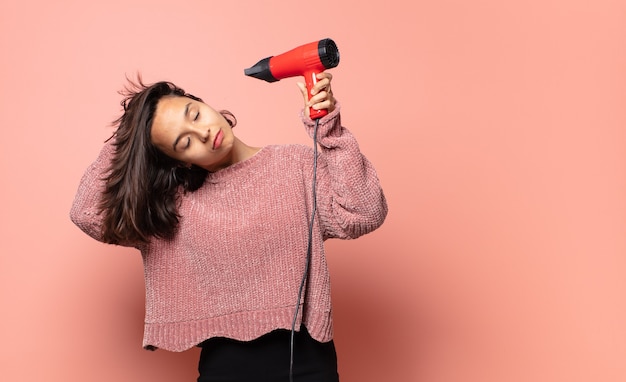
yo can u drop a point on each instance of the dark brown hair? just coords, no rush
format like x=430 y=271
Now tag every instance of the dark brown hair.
x=140 y=200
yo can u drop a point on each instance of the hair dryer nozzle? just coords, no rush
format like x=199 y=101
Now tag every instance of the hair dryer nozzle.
x=328 y=52
x=261 y=70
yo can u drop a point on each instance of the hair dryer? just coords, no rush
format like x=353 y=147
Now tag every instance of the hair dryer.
x=306 y=60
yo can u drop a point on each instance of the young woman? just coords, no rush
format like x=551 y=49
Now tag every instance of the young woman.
x=225 y=229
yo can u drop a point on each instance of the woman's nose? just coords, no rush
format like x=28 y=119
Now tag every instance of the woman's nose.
x=203 y=133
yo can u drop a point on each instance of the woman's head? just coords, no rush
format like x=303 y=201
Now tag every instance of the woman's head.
x=192 y=133
x=145 y=175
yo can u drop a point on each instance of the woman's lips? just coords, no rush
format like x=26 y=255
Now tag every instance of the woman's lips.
x=217 y=142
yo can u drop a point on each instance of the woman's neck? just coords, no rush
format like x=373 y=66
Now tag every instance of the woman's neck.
x=239 y=153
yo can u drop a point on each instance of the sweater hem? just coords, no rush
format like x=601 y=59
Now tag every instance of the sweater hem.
x=242 y=326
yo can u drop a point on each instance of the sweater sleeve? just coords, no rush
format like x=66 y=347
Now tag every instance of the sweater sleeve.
x=85 y=212
x=350 y=199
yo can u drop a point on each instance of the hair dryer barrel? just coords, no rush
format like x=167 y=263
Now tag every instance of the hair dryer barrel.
x=306 y=60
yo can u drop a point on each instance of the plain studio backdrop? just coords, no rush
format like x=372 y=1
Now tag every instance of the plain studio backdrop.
x=498 y=129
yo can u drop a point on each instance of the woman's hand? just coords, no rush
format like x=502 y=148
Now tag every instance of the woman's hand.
x=321 y=94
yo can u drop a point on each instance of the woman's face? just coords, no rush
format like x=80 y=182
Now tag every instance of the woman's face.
x=192 y=132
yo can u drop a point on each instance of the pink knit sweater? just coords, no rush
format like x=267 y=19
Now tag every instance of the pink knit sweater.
x=235 y=265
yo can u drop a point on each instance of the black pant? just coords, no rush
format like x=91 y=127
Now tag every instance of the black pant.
x=266 y=359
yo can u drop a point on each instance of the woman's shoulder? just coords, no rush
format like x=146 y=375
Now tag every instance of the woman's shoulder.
x=288 y=156
x=289 y=150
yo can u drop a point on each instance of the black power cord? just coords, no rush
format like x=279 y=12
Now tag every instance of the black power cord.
x=308 y=251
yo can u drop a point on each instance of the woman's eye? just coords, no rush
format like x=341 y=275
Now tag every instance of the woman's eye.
x=197 y=116
x=188 y=143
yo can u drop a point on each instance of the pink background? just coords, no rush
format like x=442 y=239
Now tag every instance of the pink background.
x=498 y=129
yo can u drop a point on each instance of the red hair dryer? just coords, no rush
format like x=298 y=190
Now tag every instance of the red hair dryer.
x=306 y=60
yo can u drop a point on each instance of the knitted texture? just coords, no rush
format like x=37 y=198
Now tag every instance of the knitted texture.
x=235 y=265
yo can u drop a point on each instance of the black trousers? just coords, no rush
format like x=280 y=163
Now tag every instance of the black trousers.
x=267 y=359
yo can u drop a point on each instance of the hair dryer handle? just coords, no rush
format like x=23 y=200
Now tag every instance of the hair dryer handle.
x=310 y=78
